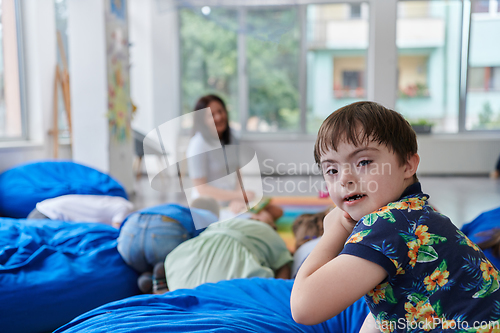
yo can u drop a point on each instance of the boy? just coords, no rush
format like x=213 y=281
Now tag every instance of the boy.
x=418 y=272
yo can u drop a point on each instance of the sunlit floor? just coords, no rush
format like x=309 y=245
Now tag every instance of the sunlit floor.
x=460 y=198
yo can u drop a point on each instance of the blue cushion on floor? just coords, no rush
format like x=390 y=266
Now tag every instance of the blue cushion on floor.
x=240 y=305
x=53 y=271
x=486 y=221
x=23 y=186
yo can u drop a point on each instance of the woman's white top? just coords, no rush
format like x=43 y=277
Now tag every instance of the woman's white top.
x=207 y=160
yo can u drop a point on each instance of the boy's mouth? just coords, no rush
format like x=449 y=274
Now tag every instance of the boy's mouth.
x=354 y=197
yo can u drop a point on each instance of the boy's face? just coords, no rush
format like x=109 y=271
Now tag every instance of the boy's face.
x=365 y=178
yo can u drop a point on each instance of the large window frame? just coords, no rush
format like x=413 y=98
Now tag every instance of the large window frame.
x=380 y=48
x=20 y=75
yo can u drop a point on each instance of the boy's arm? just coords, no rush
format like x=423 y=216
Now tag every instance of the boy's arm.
x=326 y=284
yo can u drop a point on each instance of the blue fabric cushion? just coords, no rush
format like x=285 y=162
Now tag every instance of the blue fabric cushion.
x=53 y=271
x=23 y=186
x=486 y=221
x=241 y=305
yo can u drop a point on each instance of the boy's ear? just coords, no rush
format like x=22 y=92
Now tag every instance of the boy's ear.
x=412 y=165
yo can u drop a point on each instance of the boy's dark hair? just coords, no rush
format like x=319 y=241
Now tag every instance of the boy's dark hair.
x=377 y=123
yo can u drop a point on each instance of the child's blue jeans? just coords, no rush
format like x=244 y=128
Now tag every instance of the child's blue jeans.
x=146 y=239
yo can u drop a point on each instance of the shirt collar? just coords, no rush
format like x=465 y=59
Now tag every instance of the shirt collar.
x=412 y=190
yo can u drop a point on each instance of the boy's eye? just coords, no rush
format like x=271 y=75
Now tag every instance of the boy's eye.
x=365 y=162
x=331 y=171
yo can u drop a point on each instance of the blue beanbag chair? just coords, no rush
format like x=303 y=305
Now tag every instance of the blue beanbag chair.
x=22 y=187
x=240 y=305
x=486 y=221
x=52 y=271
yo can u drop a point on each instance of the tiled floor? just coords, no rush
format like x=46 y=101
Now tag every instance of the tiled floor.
x=460 y=198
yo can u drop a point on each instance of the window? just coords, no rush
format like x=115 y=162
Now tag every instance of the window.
x=209 y=57
x=286 y=68
x=264 y=58
x=412 y=78
x=481 y=6
x=11 y=106
x=355 y=10
x=61 y=13
x=484 y=79
x=336 y=58
x=428 y=40
x=348 y=77
x=482 y=109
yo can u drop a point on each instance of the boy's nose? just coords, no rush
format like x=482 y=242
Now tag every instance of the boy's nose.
x=346 y=179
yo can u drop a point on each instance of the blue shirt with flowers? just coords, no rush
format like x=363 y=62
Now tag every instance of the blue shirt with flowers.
x=438 y=280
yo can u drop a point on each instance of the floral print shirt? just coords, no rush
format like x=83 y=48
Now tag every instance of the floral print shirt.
x=438 y=280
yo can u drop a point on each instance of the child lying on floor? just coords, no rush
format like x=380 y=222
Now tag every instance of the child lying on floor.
x=147 y=236
x=307 y=230
x=236 y=248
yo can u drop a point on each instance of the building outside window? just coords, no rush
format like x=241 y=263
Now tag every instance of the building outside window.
x=482 y=108
x=428 y=37
x=337 y=44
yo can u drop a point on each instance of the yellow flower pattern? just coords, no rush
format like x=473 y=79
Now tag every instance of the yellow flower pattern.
x=433 y=268
x=437 y=278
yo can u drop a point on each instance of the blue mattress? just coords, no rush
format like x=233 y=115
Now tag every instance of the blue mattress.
x=53 y=271
x=241 y=305
x=486 y=221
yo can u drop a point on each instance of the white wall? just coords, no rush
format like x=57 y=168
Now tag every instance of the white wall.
x=154 y=73
x=141 y=69
x=93 y=142
x=88 y=82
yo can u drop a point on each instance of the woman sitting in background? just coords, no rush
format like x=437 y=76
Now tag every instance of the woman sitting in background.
x=212 y=170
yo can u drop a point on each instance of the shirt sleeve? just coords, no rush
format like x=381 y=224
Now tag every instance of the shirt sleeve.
x=377 y=238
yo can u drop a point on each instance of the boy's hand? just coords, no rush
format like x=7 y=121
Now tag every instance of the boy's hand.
x=337 y=215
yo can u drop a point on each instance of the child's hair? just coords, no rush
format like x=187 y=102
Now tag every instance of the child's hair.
x=206 y=203
x=376 y=122
x=307 y=227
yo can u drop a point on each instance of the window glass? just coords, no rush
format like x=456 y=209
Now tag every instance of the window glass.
x=337 y=44
x=10 y=93
x=480 y=6
x=428 y=39
x=61 y=14
x=273 y=49
x=209 y=57
x=483 y=80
